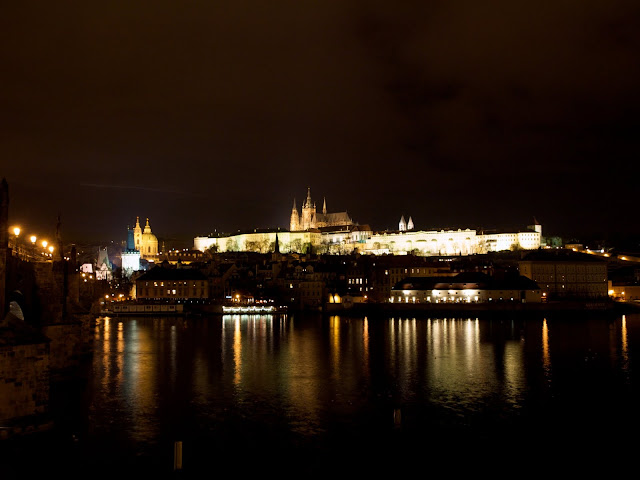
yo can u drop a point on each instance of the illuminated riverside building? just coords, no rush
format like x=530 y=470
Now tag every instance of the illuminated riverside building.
x=469 y=287
x=172 y=283
x=564 y=273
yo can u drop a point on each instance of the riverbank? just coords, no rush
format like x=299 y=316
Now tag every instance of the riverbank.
x=566 y=306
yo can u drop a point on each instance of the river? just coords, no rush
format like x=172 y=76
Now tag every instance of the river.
x=303 y=394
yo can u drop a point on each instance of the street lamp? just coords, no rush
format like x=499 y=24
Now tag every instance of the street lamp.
x=16 y=231
x=44 y=244
x=51 y=248
x=33 y=239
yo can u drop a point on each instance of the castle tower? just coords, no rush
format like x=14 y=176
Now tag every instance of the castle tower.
x=402 y=226
x=294 y=224
x=308 y=212
x=410 y=224
x=324 y=206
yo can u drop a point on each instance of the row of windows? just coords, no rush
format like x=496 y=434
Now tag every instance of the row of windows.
x=180 y=292
x=174 y=284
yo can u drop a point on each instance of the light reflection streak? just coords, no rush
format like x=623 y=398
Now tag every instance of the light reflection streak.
x=106 y=353
x=546 y=355
x=120 y=353
x=625 y=345
x=334 y=335
x=513 y=370
x=173 y=353
x=365 y=346
x=392 y=343
x=237 y=351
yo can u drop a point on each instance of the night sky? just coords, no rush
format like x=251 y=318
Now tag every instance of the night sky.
x=217 y=114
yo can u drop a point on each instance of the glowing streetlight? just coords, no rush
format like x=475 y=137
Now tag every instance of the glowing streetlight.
x=44 y=244
x=33 y=239
x=16 y=231
x=51 y=248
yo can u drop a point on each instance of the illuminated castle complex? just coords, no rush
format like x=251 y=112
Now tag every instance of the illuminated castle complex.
x=337 y=233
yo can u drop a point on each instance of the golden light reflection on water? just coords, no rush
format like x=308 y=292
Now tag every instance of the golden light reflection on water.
x=624 y=353
x=237 y=351
x=462 y=369
x=106 y=352
x=334 y=335
x=365 y=345
x=314 y=368
x=120 y=353
x=546 y=354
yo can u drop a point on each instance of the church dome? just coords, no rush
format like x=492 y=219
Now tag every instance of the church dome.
x=148 y=242
x=149 y=238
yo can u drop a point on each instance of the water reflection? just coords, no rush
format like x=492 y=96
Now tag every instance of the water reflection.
x=307 y=375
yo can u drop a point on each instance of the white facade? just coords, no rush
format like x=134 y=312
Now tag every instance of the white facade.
x=465 y=295
x=449 y=242
x=263 y=242
x=419 y=242
x=130 y=262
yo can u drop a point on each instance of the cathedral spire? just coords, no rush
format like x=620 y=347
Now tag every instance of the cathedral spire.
x=295 y=209
x=324 y=206
x=308 y=197
x=402 y=226
x=410 y=224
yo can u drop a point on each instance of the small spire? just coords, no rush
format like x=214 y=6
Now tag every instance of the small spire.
x=295 y=209
x=410 y=224
x=324 y=206
x=402 y=226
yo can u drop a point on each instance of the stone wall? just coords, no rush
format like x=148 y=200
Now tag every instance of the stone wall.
x=24 y=381
x=68 y=345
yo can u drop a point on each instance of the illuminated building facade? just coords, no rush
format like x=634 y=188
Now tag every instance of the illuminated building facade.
x=262 y=242
x=172 y=283
x=564 y=273
x=130 y=256
x=336 y=233
x=466 y=288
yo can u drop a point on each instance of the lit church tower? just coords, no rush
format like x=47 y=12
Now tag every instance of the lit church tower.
x=402 y=226
x=308 y=212
x=294 y=225
x=137 y=235
x=410 y=224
